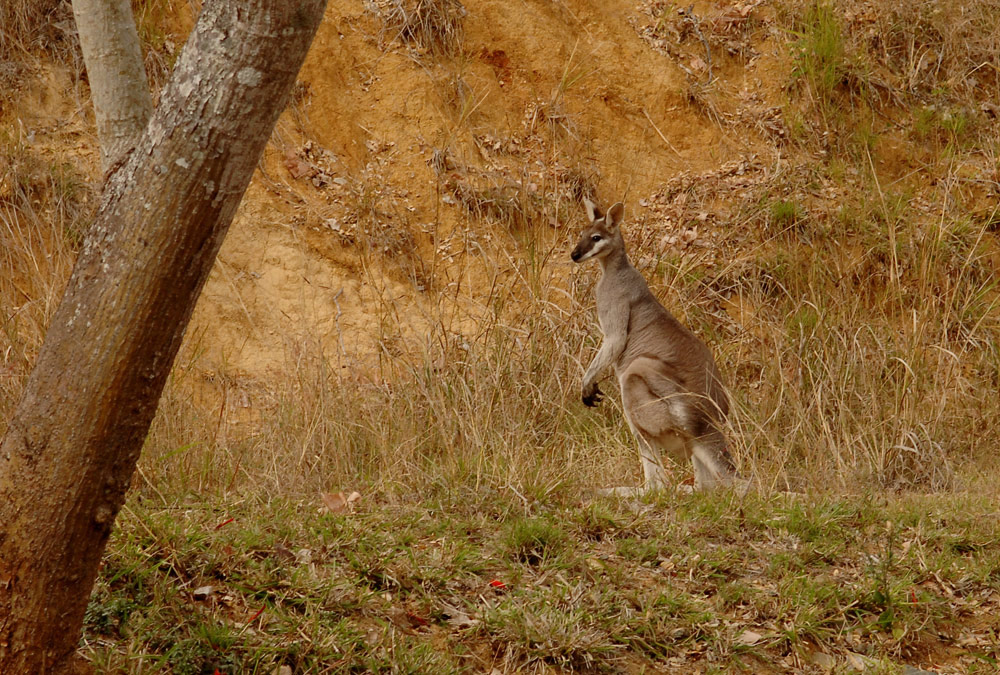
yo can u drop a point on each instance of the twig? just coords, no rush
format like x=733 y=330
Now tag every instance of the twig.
x=695 y=22
x=660 y=133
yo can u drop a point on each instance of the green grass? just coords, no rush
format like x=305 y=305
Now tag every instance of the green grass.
x=784 y=214
x=821 y=50
x=444 y=585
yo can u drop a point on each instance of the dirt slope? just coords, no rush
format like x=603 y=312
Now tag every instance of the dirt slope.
x=558 y=86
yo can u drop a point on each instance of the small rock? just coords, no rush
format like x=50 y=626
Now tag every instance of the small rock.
x=202 y=592
x=823 y=660
x=859 y=662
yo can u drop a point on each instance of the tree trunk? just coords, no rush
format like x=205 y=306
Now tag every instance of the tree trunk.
x=71 y=448
x=118 y=85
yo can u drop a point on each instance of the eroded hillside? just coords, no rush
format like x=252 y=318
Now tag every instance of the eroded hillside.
x=401 y=170
x=791 y=173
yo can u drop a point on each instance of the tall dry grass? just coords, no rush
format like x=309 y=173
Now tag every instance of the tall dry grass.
x=493 y=405
x=935 y=57
x=433 y=26
x=27 y=25
x=858 y=334
x=43 y=206
x=849 y=372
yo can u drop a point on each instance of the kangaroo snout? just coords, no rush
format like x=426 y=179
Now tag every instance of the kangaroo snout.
x=576 y=254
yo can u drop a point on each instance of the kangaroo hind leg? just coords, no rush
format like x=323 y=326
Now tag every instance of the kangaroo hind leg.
x=651 y=454
x=713 y=465
x=652 y=402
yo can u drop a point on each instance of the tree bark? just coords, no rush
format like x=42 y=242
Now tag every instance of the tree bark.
x=71 y=448
x=118 y=84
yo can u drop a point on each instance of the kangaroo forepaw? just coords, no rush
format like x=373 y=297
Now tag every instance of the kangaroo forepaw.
x=592 y=395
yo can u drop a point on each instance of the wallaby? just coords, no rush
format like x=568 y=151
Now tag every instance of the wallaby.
x=672 y=394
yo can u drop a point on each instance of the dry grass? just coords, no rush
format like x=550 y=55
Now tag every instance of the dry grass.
x=871 y=54
x=931 y=48
x=27 y=25
x=29 y=28
x=42 y=211
x=432 y=26
x=493 y=405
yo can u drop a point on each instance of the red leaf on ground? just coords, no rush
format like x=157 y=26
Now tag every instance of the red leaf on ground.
x=256 y=614
x=416 y=619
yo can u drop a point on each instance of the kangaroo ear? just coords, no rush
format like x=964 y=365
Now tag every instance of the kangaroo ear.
x=593 y=211
x=615 y=215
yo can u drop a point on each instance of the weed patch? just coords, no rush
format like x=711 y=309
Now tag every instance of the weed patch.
x=400 y=583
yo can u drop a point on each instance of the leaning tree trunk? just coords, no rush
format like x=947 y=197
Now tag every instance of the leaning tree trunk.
x=118 y=85
x=72 y=445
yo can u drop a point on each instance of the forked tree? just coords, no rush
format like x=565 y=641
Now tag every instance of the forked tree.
x=118 y=85
x=72 y=444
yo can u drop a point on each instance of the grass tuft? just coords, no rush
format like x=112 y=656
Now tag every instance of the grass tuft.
x=534 y=540
x=432 y=26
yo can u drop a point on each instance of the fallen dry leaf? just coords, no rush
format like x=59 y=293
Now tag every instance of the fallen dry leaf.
x=823 y=660
x=202 y=592
x=748 y=637
x=338 y=502
x=458 y=618
x=297 y=167
x=416 y=620
x=860 y=662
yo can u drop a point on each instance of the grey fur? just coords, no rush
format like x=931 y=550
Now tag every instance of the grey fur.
x=672 y=393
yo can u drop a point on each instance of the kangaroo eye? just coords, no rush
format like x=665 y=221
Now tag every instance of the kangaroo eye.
x=596 y=237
